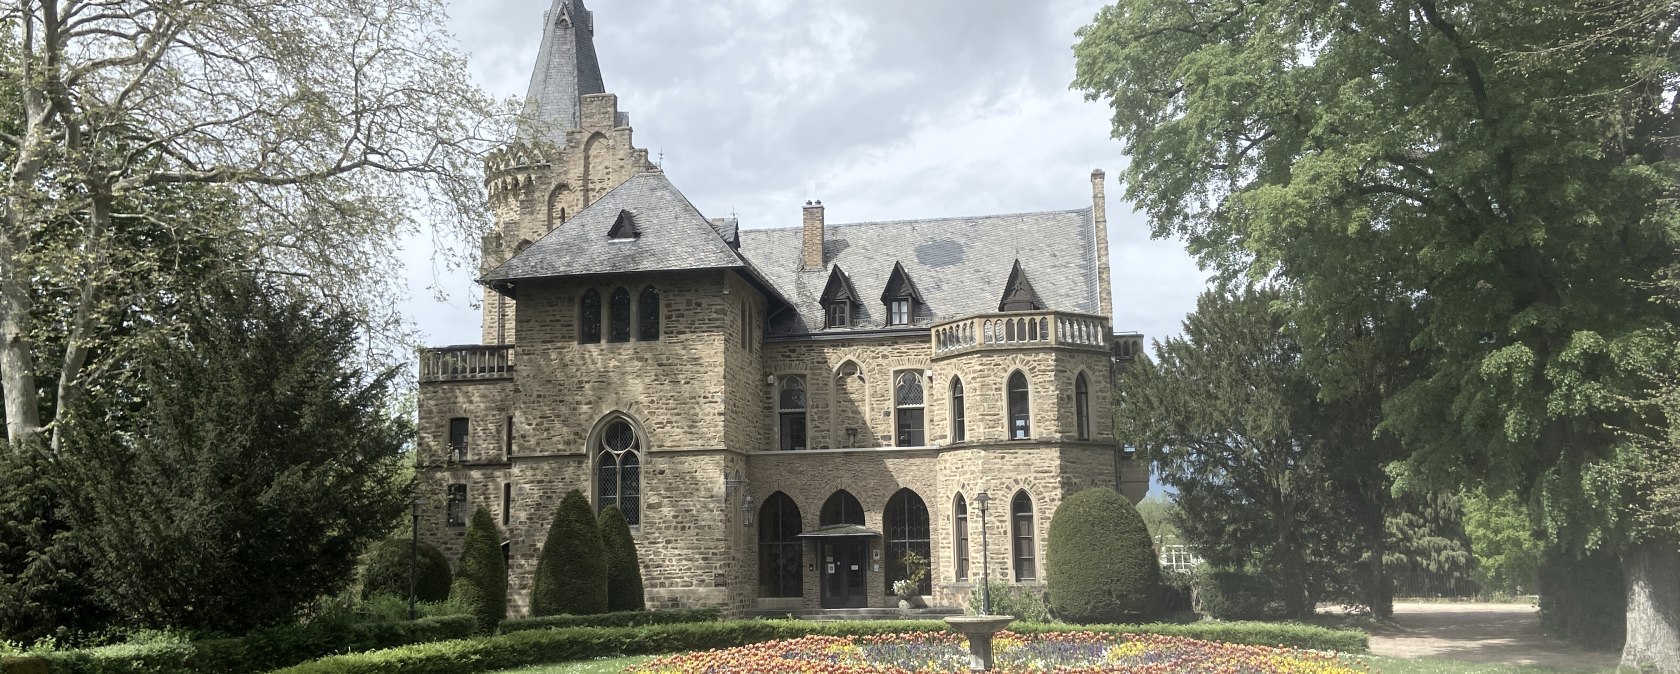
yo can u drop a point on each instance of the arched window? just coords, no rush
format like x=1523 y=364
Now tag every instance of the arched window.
x=1020 y=415
x=790 y=412
x=618 y=471
x=618 y=317
x=960 y=531
x=589 y=318
x=647 y=320
x=907 y=398
x=781 y=567
x=907 y=532
x=1082 y=407
x=959 y=419
x=1021 y=526
x=841 y=508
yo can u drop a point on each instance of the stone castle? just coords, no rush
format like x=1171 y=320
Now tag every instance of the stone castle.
x=784 y=414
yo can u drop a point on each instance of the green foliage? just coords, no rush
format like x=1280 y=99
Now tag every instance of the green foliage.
x=44 y=591
x=1582 y=599
x=1428 y=544
x=255 y=463
x=481 y=581
x=1101 y=564
x=617 y=619
x=1237 y=595
x=1161 y=517
x=579 y=643
x=624 y=567
x=1025 y=603
x=571 y=575
x=385 y=570
x=1502 y=538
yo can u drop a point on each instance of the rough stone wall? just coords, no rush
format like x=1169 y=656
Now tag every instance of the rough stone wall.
x=486 y=404
x=985 y=376
x=833 y=405
x=744 y=376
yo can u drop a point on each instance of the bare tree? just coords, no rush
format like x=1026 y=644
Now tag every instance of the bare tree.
x=335 y=127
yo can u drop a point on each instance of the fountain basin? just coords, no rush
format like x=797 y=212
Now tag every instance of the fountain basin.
x=979 y=629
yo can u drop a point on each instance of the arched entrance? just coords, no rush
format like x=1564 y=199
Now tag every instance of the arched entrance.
x=843 y=548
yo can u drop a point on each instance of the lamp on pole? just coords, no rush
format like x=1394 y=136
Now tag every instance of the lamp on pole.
x=985 y=558
x=413 y=552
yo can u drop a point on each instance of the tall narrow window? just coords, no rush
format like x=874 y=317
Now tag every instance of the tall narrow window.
x=618 y=317
x=507 y=503
x=589 y=318
x=507 y=440
x=1082 y=407
x=618 y=471
x=647 y=322
x=899 y=312
x=960 y=531
x=1020 y=417
x=457 y=512
x=1021 y=521
x=906 y=518
x=458 y=440
x=791 y=412
x=781 y=567
x=959 y=418
x=907 y=396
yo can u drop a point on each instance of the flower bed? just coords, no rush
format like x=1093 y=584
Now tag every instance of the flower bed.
x=1073 y=652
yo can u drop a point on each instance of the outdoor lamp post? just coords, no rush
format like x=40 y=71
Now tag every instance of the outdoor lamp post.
x=985 y=558
x=413 y=552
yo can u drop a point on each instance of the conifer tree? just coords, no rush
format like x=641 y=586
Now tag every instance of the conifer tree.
x=482 y=581
x=624 y=567
x=572 y=568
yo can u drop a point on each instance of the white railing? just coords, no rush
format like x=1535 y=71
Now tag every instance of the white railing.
x=456 y=363
x=1023 y=329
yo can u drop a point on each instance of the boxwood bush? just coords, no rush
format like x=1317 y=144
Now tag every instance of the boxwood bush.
x=1101 y=565
x=1237 y=595
x=618 y=619
x=387 y=565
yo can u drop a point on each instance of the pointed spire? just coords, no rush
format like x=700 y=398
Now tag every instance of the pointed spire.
x=566 y=69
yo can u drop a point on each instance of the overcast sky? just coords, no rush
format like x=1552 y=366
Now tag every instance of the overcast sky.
x=883 y=109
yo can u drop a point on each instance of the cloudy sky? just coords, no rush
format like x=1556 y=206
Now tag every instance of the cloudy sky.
x=883 y=109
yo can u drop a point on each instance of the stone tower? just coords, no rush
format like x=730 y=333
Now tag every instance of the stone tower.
x=573 y=145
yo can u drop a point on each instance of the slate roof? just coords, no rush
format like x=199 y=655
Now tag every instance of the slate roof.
x=566 y=69
x=959 y=266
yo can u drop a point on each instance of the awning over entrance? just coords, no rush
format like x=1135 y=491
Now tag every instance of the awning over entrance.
x=842 y=531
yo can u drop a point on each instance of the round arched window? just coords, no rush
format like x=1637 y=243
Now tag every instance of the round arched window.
x=618 y=471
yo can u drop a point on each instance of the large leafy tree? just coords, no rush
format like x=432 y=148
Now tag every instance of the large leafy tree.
x=1499 y=168
x=242 y=472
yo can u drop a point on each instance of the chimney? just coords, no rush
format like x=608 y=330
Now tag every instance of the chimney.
x=1099 y=218
x=811 y=256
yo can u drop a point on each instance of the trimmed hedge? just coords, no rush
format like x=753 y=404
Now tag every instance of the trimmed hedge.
x=624 y=569
x=259 y=651
x=571 y=576
x=482 y=579
x=534 y=647
x=1237 y=595
x=618 y=619
x=1101 y=565
x=387 y=566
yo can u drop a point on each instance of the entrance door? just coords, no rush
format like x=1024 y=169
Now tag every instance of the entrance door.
x=845 y=578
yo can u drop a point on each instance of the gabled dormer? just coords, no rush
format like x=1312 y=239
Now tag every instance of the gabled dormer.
x=624 y=227
x=900 y=297
x=839 y=300
x=1018 y=293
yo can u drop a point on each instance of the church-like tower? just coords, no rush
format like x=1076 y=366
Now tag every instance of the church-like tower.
x=573 y=145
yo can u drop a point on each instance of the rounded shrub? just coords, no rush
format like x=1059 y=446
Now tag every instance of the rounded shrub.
x=385 y=570
x=1237 y=595
x=1101 y=566
x=482 y=581
x=571 y=573
x=624 y=568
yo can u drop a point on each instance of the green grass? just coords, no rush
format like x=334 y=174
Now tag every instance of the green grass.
x=606 y=666
x=1440 y=666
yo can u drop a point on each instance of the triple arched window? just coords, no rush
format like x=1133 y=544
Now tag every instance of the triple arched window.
x=620 y=319
x=618 y=470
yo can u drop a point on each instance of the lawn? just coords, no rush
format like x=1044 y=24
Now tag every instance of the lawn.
x=606 y=666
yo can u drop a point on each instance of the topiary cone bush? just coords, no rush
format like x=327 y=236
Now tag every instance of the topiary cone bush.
x=481 y=582
x=571 y=573
x=385 y=571
x=1102 y=566
x=624 y=568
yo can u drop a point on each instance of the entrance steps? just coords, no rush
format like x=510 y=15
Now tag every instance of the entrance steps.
x=880 y=613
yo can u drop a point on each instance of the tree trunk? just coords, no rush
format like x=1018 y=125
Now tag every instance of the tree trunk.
x=17 y=362
x=1651 y=570
x=1292 y=564
x=1381 y=597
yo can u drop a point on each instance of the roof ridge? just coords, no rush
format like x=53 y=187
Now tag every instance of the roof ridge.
x=950 y=218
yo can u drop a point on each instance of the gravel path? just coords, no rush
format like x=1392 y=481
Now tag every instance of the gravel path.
x=1503 y=633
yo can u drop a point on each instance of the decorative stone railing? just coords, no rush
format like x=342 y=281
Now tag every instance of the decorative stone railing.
x=1021 y=330
x=461 y=363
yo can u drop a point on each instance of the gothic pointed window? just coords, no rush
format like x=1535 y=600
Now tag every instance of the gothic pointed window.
x=781 y=567
x=791 y=412
x=1021 y=530
x=959 y=416
x=647 y=323
x=1020 y=413
x=589 y=318
x=618 y=471
x=906 y=519
x=960 y=534
x=1082 y=407
x=841 y=508
x=907 y=399
x=618 y=317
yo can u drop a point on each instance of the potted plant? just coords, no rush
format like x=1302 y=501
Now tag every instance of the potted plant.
x=916 y=569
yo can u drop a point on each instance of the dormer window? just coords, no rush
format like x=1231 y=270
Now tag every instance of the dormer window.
x=839 y=315
x=900 y=297
x=839 y=300
x=899 y=312
x=624 y=228
x=1018 y=293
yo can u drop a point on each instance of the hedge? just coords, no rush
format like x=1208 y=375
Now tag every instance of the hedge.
x=532 y=647
x=259 y=651
x=619 y=619
x=1101 y=565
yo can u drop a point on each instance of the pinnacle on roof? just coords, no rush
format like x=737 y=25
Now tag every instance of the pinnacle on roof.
x=566 y=69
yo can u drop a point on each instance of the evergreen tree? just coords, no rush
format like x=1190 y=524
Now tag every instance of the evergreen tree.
x=1502 y=538
x=1428 y=543
x=571 y=573
x=1101 y=566
x=624 y=567
x=386 y=570
x=481 y=581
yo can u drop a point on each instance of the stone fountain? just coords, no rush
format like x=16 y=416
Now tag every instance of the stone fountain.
x=979 y=629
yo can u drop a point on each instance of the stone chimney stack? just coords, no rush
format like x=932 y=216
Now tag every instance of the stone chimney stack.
x=811 y=256
x=1099 y=217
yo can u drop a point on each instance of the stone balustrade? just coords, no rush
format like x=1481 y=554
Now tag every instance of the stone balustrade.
x=1019 y=330
x=459 y=363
